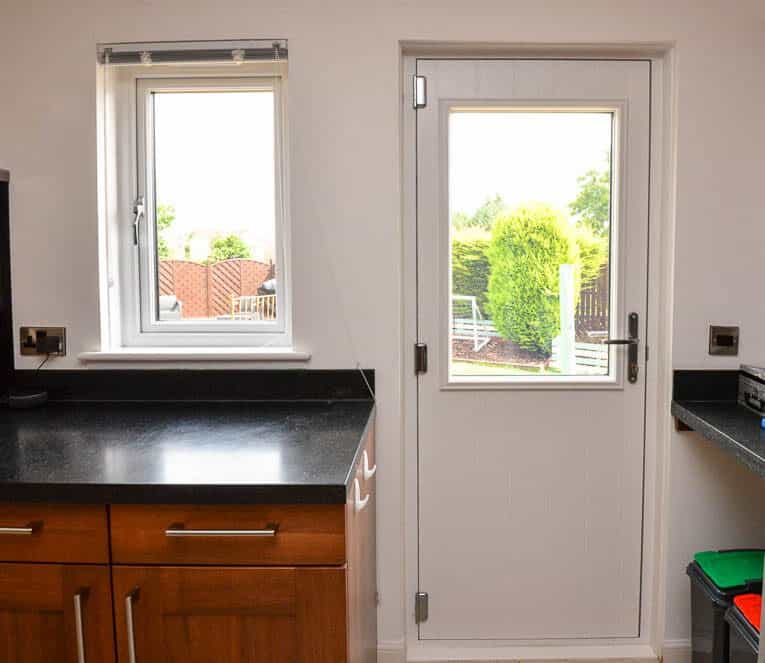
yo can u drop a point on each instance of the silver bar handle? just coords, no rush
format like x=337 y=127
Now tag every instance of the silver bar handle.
x=18 y=531
x=176 y=531
x=80 y=631
x=132 y=595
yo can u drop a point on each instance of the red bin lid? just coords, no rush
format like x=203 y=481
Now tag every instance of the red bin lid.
x=751 y=607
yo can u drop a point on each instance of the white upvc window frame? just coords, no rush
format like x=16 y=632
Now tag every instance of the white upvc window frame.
x=128 y=160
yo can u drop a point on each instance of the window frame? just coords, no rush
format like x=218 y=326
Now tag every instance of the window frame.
x=133 y=283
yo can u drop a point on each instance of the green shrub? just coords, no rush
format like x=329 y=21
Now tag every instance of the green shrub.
x=470 y=265
x=228 y=248
x=527 y=248
x=593 y=254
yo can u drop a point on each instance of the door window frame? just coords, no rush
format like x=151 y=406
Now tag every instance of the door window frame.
x=617 y=316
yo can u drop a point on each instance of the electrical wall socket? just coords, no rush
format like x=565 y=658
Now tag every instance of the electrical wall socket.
x=723 y=340
x=43 y=341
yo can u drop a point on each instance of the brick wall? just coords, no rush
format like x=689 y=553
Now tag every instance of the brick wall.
x=206 y=290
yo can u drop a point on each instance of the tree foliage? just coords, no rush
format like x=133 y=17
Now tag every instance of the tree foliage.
x=593 y=254
x=165 y=218
x=527 y=248
x=470 y=264
x=484 y=216
x=228 y=248
x=592 y=205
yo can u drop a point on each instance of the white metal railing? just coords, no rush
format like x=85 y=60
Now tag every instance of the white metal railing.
x=253 y=307
x=474 y=328
x=589 y=355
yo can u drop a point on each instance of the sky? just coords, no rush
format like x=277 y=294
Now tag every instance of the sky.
x=523 y=156
x=214 y=156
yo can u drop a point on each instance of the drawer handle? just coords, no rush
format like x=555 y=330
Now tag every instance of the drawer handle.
x=179 y=531
x=368 y=473
x=358 y=503
x=78 y=599
x=30 y=529
x=132 y=595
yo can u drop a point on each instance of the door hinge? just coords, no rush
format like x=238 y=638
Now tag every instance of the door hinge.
x=420 y=358
x=420 y=607
x=420 y=92
x=138 y=212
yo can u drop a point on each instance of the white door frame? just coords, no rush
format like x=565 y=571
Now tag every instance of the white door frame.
x=658 y=368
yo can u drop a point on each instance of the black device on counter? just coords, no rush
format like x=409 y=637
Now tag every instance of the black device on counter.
x=10 y=397
x=751 y=388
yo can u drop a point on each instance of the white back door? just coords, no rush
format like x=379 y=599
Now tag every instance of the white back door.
x=532 y=206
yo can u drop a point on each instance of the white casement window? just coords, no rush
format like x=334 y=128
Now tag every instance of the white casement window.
x=195 y=225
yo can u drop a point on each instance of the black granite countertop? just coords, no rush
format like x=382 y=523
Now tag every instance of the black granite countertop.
x=705 y=401
x=260 y=452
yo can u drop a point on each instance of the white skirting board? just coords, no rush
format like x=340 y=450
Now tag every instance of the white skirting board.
x=391 y=652
x=676 y=651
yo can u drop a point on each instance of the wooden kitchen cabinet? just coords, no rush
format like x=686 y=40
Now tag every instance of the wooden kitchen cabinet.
x=230 y=615
x=41 y=621
x=192 y=583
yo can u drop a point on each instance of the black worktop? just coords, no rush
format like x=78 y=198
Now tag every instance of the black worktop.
x=705 y=401
x=299 y=452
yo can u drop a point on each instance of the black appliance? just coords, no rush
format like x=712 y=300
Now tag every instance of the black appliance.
x=6 y=315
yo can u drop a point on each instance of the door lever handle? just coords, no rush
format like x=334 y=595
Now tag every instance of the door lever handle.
x=632 y=342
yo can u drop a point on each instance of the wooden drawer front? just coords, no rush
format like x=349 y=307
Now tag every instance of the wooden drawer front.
x=59 y=533
x=228 y=534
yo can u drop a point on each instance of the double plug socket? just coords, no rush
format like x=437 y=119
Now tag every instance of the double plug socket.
x=43 y=341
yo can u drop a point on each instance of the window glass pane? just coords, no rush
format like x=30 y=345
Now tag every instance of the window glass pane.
x=530 y=226
x=214 y=184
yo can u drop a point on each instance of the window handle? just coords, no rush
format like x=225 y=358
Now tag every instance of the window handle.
x=138 y=212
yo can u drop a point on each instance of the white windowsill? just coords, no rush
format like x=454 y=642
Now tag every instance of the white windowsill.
x=194 y=354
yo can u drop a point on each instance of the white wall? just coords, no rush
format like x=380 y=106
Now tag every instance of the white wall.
x=345 y=177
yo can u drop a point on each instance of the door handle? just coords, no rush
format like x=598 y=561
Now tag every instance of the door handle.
x=632 y=341
x=78 y=625
x=132 y=595
x=30 y=529
x=368 y=472
x=176 y=531
x=358 y=503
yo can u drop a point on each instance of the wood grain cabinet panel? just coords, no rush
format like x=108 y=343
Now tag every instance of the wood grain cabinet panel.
x=38 y=615
x=230 y=615
x=303 y=534
x=54 y=533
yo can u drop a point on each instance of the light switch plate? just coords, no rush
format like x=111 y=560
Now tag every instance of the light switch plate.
x=723 y=340
x=28 y=340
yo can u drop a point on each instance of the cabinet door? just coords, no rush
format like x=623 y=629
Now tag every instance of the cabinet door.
x=230 y=614
x=362 y=580
x=55 y=613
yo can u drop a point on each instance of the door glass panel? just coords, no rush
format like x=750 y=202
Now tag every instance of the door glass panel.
x=530 y=230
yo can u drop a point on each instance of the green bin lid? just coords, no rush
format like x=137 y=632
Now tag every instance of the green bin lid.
x=731 y=568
